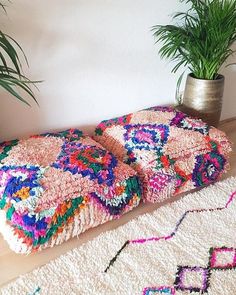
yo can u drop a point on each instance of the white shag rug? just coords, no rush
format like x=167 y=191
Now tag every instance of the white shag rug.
x=185 y=247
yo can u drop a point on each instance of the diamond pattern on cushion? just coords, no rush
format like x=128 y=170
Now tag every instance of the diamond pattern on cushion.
x=53 y=186
x=161 y=139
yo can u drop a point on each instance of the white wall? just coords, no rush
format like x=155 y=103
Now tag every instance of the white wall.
x=97 y=59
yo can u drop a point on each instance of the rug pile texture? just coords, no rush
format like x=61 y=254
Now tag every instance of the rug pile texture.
x=185 y=247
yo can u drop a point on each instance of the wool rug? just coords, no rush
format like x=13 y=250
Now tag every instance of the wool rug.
x=188 y=246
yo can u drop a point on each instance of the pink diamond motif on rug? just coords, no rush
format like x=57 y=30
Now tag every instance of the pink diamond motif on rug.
x=193 y=279
x=223 y=258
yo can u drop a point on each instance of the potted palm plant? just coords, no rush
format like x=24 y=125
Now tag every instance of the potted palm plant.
x=12 y=78
x=201 y=40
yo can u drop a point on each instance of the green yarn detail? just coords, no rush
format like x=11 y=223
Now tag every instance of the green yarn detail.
x=98 y=131
x=53 y=229
x=10 y=212
x=3 y=201
x=133 y=186
x=36 y=292
x=159 y=164
x=7 y=149
x=61 y=219
x=78 y=133
x=75 y=135
x=66 y=134
x=220 y=159
x=213 y=145
x=181 y=178
x=27 y=233
x=96 y=167
x=172 y=161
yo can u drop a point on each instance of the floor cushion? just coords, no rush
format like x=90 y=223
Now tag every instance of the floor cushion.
x=56 y=185
x=171 y=152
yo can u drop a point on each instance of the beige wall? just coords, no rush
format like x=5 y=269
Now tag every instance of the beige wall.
x=97 y=59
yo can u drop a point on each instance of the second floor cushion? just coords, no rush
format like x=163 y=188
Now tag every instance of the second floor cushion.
x=171 y=152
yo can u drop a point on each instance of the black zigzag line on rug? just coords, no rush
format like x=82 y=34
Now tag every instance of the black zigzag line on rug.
x=173 y=233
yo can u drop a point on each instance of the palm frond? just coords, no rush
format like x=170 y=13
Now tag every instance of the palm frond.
x=202 y=38
x=3 y=6
x=12 y=78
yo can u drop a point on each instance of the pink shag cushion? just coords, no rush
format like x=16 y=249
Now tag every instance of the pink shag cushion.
x=56 y=185
x=171 y=152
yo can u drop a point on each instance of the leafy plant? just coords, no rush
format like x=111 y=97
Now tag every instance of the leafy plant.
x=12 y=78
x=202 y=39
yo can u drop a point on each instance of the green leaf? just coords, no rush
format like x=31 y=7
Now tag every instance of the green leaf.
x=202 y=38
x=7 y=86
x=10 y=212
x=178 y=97
x=11 y=77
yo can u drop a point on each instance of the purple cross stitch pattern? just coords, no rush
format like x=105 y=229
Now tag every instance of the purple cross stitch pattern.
x=181 y=281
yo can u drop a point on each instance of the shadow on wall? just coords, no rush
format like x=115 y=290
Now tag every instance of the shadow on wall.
x=10 y=110
x=15 y=115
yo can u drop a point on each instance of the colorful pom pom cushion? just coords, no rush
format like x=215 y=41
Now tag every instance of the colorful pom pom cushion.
x=171 y=152
x=57 y=185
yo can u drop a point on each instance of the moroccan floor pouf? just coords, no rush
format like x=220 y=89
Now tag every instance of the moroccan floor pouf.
x=171 y=152
x=57 y=185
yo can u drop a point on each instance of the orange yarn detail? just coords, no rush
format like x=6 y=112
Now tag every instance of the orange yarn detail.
x=134 y=200
x=165 y=161
x=23 y=193
x=119 y=190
